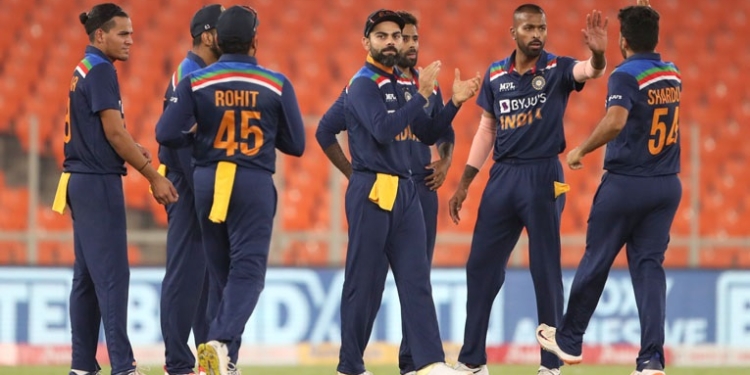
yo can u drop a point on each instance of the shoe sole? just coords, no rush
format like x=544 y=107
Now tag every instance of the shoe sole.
x=208 y=359
x=567 y=359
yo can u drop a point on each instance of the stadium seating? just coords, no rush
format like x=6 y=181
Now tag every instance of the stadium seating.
x=318 y=48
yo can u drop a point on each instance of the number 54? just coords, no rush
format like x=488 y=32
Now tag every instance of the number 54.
x=659 y=130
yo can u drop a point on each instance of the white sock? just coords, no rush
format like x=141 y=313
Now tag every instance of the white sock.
x=79 y=372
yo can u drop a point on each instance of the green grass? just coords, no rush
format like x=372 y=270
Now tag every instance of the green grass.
x=393 y=370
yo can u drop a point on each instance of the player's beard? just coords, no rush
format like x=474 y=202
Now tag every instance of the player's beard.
x=408 y=62
x=387 y=60
x=215 y=49
x=526 y=49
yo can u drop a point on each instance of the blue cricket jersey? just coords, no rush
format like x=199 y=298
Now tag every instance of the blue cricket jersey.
x=649 y=144
x=179 y=159
x=243 y=111
x=334 y=122
x=381 y=122
x=529 y=107
x=94 y=88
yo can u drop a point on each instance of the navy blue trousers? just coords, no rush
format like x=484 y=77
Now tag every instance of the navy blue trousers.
x=429 y=202
x=637 y=212
x=518 y=194
x=236 y=250
x=101 y=274
x=184 y=288
x=400 y=236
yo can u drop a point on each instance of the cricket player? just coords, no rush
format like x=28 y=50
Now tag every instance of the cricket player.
x=382 y=204
x=524 y=98
x=428 y=175
x=243 y=112
x=96 y=147
x=182 y=305
x=637 y=199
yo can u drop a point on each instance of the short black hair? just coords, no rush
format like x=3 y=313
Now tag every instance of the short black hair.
x=639 y=25
x=409 y=18
x=528 y=8
x=197 y=40
x=234 y=46
x=101 y=16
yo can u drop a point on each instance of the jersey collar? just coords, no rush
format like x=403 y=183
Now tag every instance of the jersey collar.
x=642 y=56
x=197 y=59
x=238 y=57
x=380 y=68
x=91 y=50
x=541 y=64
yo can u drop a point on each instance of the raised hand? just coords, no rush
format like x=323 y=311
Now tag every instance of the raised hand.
x=464 y=90
x=595 y=33
x=428 y=77
x=643 y=3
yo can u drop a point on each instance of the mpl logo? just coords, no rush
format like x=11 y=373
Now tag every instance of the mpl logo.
x=389 y=97
x=507 y=86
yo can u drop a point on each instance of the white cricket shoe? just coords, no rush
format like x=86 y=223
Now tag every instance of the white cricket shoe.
x=545 y=335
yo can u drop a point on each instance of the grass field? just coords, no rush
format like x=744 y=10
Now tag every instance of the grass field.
x=393 y=370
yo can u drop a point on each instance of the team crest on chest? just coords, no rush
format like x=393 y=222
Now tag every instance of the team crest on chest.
x=538 y=82
x=407 y=95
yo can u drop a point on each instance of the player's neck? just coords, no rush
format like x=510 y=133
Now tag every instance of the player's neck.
x=406 y=72
x=524 y=63
x=205 y=54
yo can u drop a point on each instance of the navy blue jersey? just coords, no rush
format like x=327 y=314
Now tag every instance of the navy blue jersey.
x=529 y=107
x=649 y=144
x=179 y=160
x=334 y=122
x=94 y=88
x=379 y=118
x=421 y=154
x=243 y=111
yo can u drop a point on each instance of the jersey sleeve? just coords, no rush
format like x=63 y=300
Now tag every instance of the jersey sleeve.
x=332 y=123
x=291 y=136
x=485 y=98
x=103 y=89
x=622 y=90
x=566 y=64
x=178 y=118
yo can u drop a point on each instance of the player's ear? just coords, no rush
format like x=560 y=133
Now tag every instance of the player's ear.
x=513 y=32
x=366 y=43
x=254 y=43
x=99 y=35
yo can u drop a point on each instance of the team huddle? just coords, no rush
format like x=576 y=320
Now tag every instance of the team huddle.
x=225 y=115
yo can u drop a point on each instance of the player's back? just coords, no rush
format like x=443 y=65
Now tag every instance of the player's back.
x=241 y=114
x=93 y=88
x=649 y=144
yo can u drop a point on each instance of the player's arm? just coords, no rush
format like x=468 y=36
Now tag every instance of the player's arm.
x=445 y=144
x=366 y=103
x=595 y=35
x=290 y=138
x=623 y=88
x=105 y=101
x=174 y=128
x=332 y=123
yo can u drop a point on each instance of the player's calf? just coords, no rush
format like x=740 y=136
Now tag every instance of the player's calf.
x=545 y=335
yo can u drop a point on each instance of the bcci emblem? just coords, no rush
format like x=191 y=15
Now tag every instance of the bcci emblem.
x=407 y=95
x=538 y=82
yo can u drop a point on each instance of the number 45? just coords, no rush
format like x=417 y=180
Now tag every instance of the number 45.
x=656 y=145
x=226 y=136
